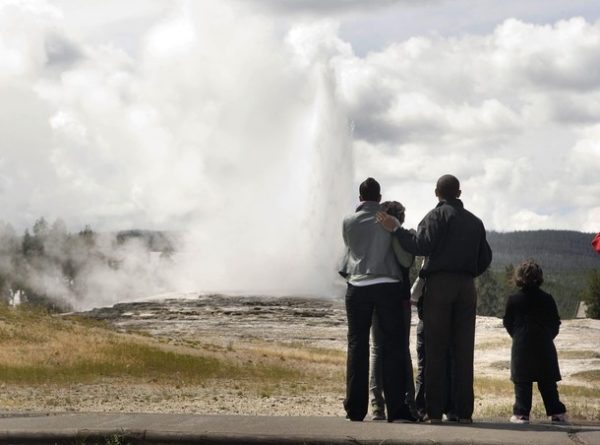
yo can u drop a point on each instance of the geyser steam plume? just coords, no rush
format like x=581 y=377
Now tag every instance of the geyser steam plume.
x=216 y=127
x=279 y=205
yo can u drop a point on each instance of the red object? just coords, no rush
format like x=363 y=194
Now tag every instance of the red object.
x=596 y=243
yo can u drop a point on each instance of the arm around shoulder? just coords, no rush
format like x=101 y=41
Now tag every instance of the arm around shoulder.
x=424 y=241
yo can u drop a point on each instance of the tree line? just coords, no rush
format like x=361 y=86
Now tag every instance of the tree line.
x=48 y=265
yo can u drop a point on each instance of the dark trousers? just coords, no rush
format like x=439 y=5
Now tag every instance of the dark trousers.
x=360 y=304
x=549 y=392
x=420 y=404
x=376 y=361
x=449 y=307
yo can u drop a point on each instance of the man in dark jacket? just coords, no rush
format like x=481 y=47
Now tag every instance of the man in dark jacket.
x=454 y=242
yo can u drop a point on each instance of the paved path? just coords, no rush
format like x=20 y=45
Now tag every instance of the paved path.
x=89 y=428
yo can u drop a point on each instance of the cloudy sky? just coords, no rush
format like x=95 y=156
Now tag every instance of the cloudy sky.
x=168 y=114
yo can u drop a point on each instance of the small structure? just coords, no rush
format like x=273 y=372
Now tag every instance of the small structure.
x=581 y=310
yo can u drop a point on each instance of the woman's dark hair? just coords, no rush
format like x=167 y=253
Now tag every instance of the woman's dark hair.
x=528 y=275
x=395 y=209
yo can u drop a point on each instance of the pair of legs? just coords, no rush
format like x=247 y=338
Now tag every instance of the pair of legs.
x=420 y=403
x=549 y=392
x=376 y=364
x=361 y=302
x=449 y=309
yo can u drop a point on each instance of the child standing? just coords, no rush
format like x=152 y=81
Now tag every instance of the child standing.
x=532 y=321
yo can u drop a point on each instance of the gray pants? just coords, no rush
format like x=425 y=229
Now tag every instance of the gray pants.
x=376 y=365
x=449 y=314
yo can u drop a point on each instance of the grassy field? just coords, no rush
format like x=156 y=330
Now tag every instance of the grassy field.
x=49 y=362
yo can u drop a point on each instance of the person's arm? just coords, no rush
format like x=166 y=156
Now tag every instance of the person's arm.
x=406 y=259
x=554 y=318
x=345 y=232
x=509 y=318
x=424 y=242
x=344 y=261
x=485 y=255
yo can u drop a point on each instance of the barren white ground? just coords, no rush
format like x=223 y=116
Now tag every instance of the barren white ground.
x=305 y=322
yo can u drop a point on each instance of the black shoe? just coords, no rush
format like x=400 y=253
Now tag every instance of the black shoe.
x=405 y=418
x=353 y=419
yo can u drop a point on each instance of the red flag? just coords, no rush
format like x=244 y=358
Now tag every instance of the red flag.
x=596 y=243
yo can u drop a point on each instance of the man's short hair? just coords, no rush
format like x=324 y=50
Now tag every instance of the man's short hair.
x=529 y=275
x=370 y=190
x=448 y=187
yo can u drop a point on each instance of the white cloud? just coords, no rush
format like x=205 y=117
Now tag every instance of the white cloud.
x=510 y=113
x=221 y=121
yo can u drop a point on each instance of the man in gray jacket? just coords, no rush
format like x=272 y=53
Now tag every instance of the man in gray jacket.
x=374 y=284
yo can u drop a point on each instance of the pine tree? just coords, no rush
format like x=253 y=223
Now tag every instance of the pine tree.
x=592 y=295
x=490 y=297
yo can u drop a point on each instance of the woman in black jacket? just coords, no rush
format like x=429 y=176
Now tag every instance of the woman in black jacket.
x=532 y=321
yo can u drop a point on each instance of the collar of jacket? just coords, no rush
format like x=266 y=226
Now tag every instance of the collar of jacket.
x=451 y=202
x=368 y=205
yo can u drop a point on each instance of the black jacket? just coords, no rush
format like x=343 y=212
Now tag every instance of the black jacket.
x=452 y=239
x=532 y=321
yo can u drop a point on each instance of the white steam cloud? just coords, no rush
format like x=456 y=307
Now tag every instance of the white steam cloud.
x=242 y=144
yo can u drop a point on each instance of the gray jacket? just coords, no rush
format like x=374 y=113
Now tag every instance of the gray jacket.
x=368 y=245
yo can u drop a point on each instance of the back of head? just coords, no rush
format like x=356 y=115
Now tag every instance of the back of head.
x=448 y=187
x=528 y=275
x=395 y=209
x=370 y=190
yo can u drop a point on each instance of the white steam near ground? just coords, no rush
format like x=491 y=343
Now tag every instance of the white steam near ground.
x=242 y=132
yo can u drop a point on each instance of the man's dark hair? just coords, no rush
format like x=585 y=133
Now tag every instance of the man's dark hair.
x=448 y=187
x=529 y=275
x=395 y=209
x=370 y=190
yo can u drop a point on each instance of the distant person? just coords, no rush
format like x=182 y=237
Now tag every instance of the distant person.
x=532 y=320
x=454 y=242
x=374 y=284
x=596 y=243
x=405 y=261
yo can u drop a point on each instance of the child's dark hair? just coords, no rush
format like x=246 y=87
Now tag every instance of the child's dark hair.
x=528 y=275
x=395 y=209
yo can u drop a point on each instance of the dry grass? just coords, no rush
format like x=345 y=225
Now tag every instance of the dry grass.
x=36 y=347
x=570 y=354
x=49 y=362
x=591 y=375
x=493 y=344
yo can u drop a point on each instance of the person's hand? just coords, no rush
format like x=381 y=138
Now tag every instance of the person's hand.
x=388 y=222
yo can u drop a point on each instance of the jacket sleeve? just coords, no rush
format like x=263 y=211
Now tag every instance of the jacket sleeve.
x=509 y=318
x=554 y=318
x=427 y=237
x=344 y=261
x=485 y=255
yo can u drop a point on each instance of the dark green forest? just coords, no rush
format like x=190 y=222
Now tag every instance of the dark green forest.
x=49 y=266
x=47 y=263
x=566 y=257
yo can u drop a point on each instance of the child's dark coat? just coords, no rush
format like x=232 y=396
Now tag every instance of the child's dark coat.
x=532 y=321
